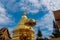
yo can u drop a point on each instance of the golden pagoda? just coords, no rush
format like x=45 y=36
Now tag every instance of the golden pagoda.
x=24 y=30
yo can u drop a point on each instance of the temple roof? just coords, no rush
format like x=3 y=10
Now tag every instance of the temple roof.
x=2 y=30
x=57 y=17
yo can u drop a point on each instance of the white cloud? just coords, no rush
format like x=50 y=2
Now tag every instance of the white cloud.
x=32 y=6
x=4 y=17
x=46 y=21
x=52 y=4
x=36 y=3
x=46 y=24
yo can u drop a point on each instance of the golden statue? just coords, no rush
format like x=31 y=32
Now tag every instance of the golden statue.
x=24 y=30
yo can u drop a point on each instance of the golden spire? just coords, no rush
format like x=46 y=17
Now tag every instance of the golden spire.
x=24 y=10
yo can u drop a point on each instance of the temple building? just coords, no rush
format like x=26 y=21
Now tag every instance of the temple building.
x=57 y=22
x=57 y=17
x=56 y=26
x=24 y=30
x=4 y=34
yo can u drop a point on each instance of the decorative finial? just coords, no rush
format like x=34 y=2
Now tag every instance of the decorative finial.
x=24 y=10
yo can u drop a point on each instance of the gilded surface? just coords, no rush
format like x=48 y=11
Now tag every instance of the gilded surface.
x=23 y=31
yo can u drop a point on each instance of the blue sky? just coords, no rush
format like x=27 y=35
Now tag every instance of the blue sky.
x=40 y=10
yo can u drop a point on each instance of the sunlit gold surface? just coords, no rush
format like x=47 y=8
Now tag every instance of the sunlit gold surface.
x=22 y=30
